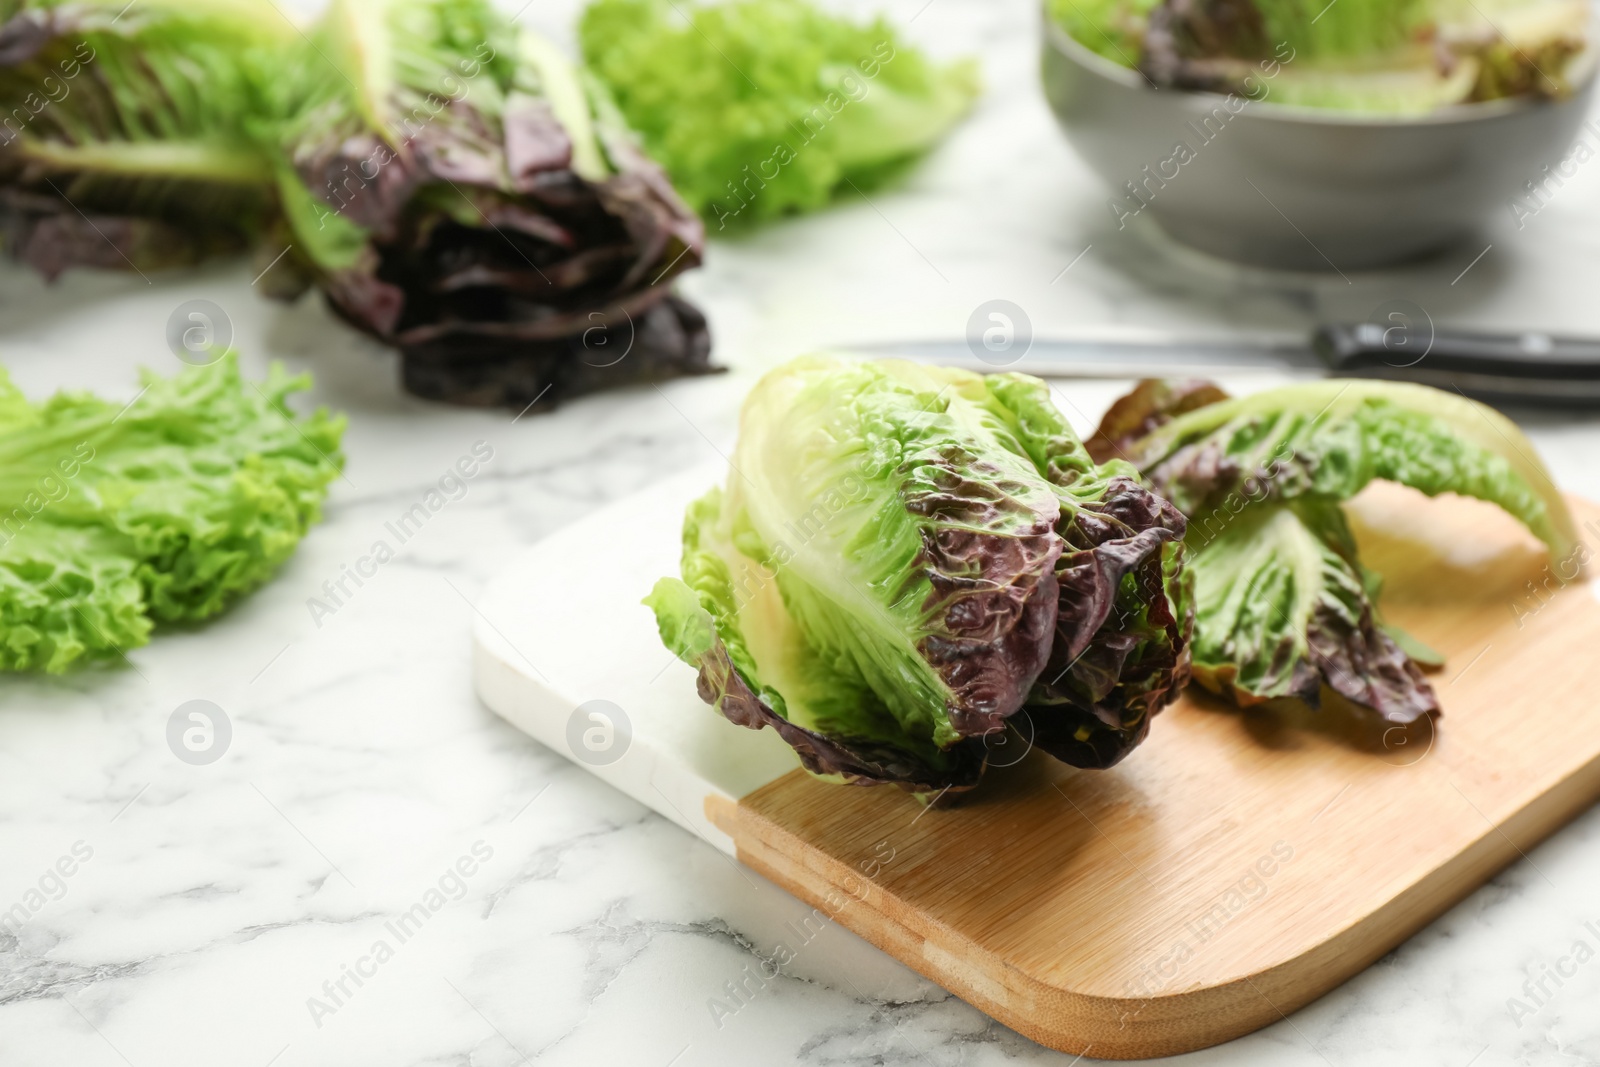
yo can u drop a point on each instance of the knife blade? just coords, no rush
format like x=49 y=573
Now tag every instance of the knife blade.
x=1529 y=368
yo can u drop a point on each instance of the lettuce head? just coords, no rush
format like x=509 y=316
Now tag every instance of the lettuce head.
x=904 y=557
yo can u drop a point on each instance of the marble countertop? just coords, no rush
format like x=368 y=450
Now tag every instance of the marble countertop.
x=208 y=909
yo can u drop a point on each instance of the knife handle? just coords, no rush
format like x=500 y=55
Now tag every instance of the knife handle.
x=1530 y=367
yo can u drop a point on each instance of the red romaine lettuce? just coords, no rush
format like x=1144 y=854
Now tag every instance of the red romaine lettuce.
x=1283 y=606
x=457 y=189
x=906 y=557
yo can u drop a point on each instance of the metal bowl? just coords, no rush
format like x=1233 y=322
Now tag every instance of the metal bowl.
x=1305 y=188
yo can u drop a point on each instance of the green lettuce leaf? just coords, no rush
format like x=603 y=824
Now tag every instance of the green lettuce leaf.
x=1114 y=29
x=116 y=517
x=1349 y=28
x=1405 y=89
x=838 y=726
x=1331 y=438
x=1283 y=609
x=758 y=108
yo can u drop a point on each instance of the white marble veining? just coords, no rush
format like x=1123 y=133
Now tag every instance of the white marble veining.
x=219 y=905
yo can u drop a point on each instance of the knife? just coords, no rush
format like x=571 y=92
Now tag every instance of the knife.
x=1529 y=368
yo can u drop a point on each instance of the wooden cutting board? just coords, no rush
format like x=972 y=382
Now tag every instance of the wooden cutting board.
x=1232 y=869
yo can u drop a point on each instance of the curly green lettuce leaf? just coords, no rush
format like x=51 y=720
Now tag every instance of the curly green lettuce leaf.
x=116 y=517
x=128 y=132
x=759 y=108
